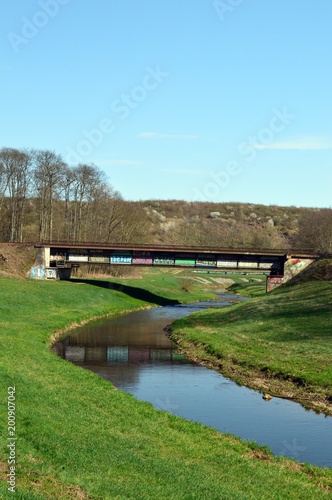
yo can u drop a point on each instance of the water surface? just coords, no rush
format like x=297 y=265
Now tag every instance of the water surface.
x=134 y=353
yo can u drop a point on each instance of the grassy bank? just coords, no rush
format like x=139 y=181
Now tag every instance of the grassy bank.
x=78 y=437
x=279 y=343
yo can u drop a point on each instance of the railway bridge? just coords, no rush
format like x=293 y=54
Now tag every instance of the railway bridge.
x=55 y=260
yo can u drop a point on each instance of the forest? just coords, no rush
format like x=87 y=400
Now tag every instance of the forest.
x=44 y=199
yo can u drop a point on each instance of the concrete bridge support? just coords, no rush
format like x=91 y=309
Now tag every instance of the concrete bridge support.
x=42 y=270
x=293 y=266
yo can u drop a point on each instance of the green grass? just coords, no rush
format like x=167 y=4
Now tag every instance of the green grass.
x=251 y=289
x=245 y=283
x=283 y=336
x=78 y=437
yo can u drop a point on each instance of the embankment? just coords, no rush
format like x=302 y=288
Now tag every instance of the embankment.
x=79 y=437
x=279 y=343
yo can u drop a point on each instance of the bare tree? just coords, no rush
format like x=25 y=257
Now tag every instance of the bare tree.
x=315 y=231
x=3 y=180
x=133 y=226
x=15 y=168
x=86 y=183
x=48 y=179
x=68 y=180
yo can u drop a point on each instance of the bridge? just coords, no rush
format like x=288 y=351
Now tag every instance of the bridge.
x=59 y=258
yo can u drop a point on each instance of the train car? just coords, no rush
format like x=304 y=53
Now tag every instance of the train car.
x=265 y=265
x=185 y=262
x=99 y=259
x=228 y=263
x=58 y=258
x=137 y=260
x=206 y=260
x=268 y=262
x=246 y=264
x=121 y=257
x=185 y=259
x=163 y=260
x=78 y=258
x=142 y=258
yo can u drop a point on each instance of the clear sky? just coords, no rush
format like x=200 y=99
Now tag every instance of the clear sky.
x=225 y=100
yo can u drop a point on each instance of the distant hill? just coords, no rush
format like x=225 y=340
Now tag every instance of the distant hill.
x=226 y=224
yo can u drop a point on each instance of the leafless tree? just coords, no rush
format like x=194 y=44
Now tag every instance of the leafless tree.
x=48 y=177
x=15 y=169
x=315 y=231
x=85 y=186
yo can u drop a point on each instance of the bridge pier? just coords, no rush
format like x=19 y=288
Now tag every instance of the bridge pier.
x=42 y=270
x=293 y=266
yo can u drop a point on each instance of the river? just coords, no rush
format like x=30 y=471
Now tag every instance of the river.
x=134 y=353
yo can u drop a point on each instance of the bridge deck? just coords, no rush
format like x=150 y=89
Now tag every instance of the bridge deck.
x=288 y=253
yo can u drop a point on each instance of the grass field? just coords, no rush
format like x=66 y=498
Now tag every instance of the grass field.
x=280 y=343
x=78 y=437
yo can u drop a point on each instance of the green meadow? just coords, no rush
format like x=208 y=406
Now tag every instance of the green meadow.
x=78 y=437
x=280 y=343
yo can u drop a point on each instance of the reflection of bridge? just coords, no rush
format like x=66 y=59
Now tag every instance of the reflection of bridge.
x=116 y=354
x=67 y=255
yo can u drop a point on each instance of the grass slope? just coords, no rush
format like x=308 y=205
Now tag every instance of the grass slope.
x=280 y=343
x=78 y=437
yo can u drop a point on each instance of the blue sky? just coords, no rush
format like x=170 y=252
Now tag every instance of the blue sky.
x=212 y=100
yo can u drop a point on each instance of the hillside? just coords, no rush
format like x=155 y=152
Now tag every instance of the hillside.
x=225 y=224
x=16 y=259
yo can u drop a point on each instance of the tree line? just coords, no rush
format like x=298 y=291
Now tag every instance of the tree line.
x=42 y=198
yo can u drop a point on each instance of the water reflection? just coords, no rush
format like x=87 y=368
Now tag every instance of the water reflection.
x=134 y=354
x=117 y=354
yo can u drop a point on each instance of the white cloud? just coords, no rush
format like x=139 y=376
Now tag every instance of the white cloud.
x=304 y=144
x=156 y=135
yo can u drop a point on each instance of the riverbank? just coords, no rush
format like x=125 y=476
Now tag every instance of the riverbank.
x=78 y=437
x=279 y=344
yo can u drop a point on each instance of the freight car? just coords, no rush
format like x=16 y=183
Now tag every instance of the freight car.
x=121 y=257
x=206 y=260
x=142 y=258
x=163 y=260
x=229 y=263
x=185 y=259
x=78 y=258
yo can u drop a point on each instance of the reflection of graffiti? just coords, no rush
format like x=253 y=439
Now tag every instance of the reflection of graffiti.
x=37 y=272
x=119 y=354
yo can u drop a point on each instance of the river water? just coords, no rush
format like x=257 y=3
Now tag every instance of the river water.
x=133 y=353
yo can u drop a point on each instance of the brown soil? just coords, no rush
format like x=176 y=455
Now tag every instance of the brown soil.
x=16 y=259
